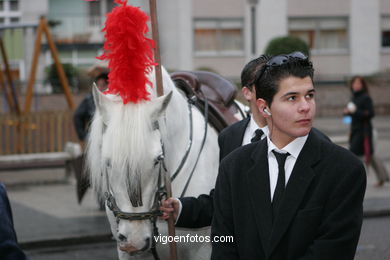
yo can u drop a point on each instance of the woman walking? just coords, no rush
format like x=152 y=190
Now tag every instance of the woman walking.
x=361 y=110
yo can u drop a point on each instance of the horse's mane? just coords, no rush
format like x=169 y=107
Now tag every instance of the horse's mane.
x=125 y=144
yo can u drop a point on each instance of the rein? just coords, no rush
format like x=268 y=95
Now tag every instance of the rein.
x=206 y=110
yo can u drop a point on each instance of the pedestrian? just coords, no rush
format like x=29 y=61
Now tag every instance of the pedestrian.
x=292 y=195
x=361 y=110
x=9 y=248
x=84 y=112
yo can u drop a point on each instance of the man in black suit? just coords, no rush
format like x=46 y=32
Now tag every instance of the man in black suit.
x=191 y=212
x=293 y=195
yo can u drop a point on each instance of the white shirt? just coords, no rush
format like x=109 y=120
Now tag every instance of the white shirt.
x=293 y=148
x=250 y=131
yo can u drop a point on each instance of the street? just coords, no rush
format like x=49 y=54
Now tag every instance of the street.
x=374 y=241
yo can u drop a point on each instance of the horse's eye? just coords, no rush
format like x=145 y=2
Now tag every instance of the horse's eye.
x=108 y=164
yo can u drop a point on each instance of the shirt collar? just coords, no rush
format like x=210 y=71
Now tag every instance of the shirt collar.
x=265 y=130
x=293 y=148
x=253 y=127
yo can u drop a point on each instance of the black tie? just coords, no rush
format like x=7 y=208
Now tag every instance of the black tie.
x=258 y=134
x=280 y=185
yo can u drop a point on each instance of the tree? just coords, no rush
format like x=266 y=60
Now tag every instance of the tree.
x=285 y=45
x=71 y=73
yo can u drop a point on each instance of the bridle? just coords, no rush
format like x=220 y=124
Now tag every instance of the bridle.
x=160 y=193
x=149 y=215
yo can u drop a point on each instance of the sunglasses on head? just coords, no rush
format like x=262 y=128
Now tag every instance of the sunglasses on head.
x=280 y=60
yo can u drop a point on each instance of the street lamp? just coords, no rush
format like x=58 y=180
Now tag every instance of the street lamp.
x=253 y=4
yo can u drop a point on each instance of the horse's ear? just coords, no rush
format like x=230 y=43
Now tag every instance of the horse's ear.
x=101 y=101
x=160 y=104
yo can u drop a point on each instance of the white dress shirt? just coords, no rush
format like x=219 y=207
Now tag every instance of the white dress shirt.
x=293 y=148
x=250 y=131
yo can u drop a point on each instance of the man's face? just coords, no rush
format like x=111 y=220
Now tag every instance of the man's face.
x=293 y=109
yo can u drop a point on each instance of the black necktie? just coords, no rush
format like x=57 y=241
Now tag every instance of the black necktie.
x=280 y=185
x=258 y=134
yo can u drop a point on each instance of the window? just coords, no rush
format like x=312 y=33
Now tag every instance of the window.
x=14 y=5
x=10 y=12
x=94 y=13
x=385 y=32
x=14 y=19
x=218 y=37
x=96 y=8
x=321 y=34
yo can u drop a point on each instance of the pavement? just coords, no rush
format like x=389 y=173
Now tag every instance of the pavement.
x=46 y=212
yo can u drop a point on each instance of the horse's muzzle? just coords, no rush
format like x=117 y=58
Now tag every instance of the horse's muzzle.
x=130 y=249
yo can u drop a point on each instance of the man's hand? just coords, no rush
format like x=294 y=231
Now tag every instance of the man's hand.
x=170 y=206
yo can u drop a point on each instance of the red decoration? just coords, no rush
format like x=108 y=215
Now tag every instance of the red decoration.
x=128 y=51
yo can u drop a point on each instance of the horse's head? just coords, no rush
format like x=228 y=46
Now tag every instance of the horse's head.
x=125 y=158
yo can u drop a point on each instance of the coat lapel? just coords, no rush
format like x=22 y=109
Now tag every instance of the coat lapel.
x=238 y=134
x=258 y=186
x=299 y=181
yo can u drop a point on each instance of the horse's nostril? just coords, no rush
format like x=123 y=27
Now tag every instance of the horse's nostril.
x=121 y=237
x=147 y=242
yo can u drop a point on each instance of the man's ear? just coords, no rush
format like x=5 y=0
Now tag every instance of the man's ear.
x=261 y=105
x=248 y=95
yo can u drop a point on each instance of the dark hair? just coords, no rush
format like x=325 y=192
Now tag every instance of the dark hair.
x=103 y=75
x=362 y=80
x=268 y=79
x=250 y=70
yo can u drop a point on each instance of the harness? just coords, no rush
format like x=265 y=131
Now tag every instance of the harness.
x=161 y=191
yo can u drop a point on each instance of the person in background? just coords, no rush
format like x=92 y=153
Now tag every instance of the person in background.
x=9 y=248
x=361 y=111
x=84 y=112
x=82 y=119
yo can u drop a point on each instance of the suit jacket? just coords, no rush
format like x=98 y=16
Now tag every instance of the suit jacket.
x=320 y=216
x=198 y=212
x=9 y=248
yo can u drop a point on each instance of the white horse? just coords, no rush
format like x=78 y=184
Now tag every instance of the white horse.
x=129 y=148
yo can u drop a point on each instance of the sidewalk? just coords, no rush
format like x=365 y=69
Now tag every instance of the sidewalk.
x=46 y=212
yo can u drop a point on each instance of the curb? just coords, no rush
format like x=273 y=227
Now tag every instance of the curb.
x=68 y=241
x=376 y=213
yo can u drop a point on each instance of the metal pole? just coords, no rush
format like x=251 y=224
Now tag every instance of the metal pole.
x=160 y=92
x=156 y=39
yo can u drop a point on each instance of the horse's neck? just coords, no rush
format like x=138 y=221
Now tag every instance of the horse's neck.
x=177 y=129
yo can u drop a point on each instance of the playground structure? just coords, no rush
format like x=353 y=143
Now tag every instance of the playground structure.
x=23 y=131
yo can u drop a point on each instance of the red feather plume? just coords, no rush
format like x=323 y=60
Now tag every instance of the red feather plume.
x=128 y=51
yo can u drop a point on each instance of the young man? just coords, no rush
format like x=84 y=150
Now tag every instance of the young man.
x=191 y=212
x=292 y=195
